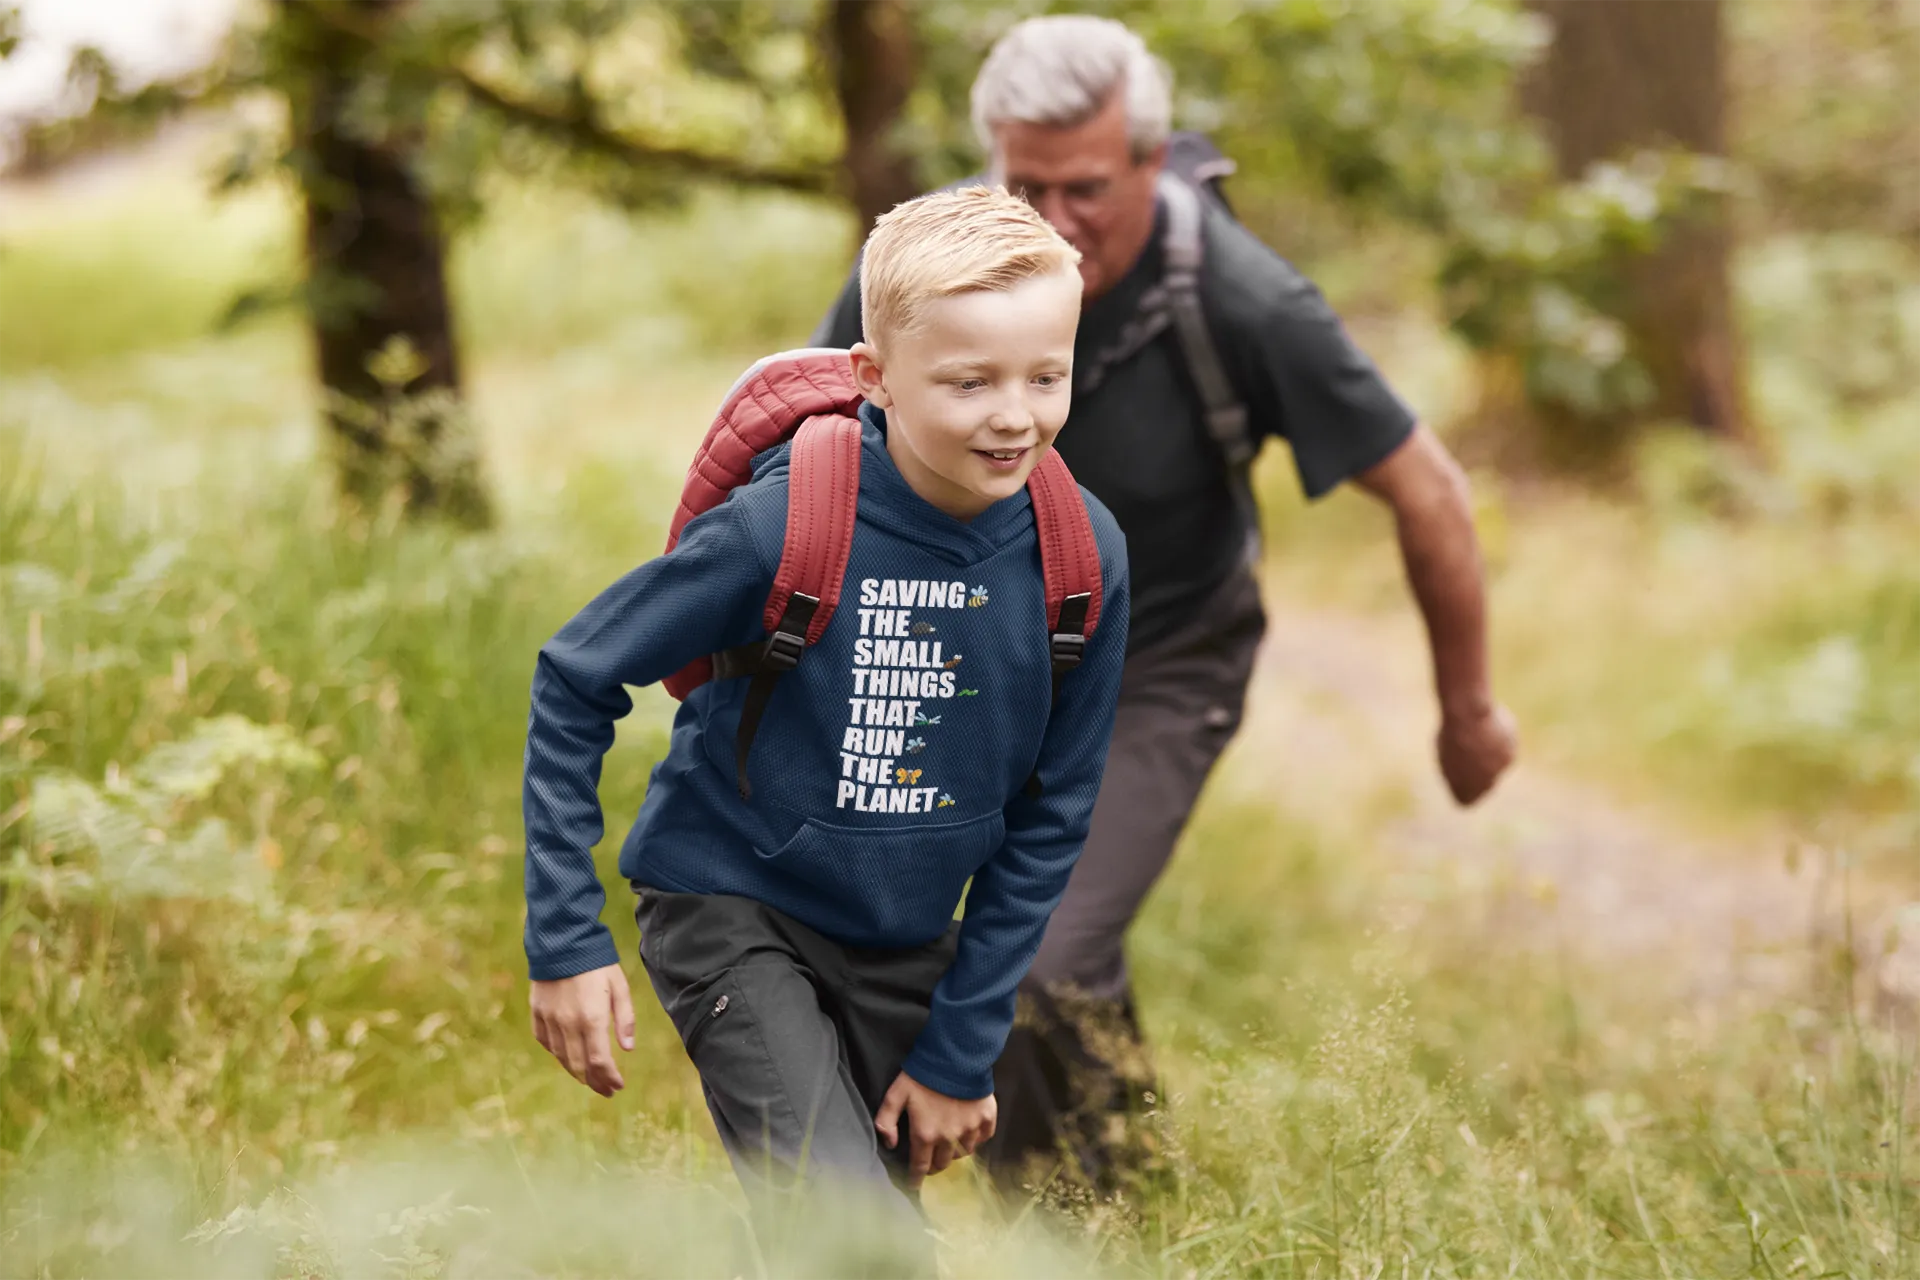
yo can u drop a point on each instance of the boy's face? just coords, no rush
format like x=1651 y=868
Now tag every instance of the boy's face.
x=977 y=391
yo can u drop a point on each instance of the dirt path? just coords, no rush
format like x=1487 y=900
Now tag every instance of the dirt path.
x=1339 y=732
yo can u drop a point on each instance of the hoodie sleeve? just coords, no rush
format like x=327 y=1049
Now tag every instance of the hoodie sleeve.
x=1017 y=889
x=704 y=595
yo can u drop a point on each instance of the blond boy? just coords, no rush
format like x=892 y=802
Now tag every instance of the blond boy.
x=842 y=1023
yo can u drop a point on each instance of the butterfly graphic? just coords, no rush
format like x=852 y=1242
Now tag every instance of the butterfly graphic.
x=944 y=801
x=924 y=718
x=953 y=662
x=906 y=775
x=968 y=693
x=977 y=597
x=916 y=746
x=924 y=628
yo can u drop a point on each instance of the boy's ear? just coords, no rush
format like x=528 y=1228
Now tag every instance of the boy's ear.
x=869 y=376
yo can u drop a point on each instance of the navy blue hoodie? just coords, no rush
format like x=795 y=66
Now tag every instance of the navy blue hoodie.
x=891 y=763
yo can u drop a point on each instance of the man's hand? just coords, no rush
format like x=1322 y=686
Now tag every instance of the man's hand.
x=943 y=1129
x=1475 y=749
x=570 y=1018
x=1433 y=516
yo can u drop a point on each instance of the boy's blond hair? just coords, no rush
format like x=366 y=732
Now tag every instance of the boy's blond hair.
x=971 y=240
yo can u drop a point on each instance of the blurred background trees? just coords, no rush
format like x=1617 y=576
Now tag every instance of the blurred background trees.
x=1640 y=73
x=260 y=748
x=1559 y=170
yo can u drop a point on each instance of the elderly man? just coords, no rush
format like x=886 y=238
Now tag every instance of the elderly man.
x=1196 y=343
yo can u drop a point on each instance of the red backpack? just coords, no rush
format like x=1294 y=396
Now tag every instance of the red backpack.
x=809 y=397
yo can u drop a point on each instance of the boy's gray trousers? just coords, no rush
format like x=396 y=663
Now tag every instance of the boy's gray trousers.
x=797 y=1039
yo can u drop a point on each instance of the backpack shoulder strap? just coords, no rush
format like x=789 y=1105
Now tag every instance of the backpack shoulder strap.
x=1185 y=253
x=1069 y=561
x=1225 y=415
x=823 y=488
x=1069 y=570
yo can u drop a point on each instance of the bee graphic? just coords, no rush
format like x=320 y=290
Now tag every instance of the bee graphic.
x=906 y=775
x=924 y=628
x=944 y=801
x=977 y=597
x=916 y=745
x=953 y=662
x=968 y=693
x=924 y=719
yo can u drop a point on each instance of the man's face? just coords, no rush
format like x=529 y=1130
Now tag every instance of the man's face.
x=977 y=390
x=1085 y=182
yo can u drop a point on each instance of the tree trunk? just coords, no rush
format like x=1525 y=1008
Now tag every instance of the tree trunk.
x=1625 y=74
x=874 y=66
x=376 y=281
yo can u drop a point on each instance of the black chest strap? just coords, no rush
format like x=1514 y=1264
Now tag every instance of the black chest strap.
x=766 y=661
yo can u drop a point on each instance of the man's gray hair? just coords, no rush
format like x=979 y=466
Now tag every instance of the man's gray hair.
x=1059 y=71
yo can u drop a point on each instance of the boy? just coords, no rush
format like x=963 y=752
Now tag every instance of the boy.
x=802 y=939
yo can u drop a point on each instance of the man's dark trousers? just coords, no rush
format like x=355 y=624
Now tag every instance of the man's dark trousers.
x=797 y=1039
x=1075 y=1059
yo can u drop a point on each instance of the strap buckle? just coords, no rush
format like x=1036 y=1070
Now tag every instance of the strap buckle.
x=783 y=650
x=1067 y=648
x=1069 y=644
x=789 y=638
x=1227 y=424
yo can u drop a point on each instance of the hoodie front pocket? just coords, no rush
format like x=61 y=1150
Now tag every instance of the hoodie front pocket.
x=907 y=878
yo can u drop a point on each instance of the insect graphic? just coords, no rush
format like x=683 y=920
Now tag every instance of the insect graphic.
x=924 y=628
x=968 y=693
x=944 y=801
x=923 y=718
x=906 y=775
x=953 y=662
x=977 y=597
x=916 y=745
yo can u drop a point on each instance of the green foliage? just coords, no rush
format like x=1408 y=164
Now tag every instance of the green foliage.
x=259 y=757
x=1821 y=118
x=295 y=1045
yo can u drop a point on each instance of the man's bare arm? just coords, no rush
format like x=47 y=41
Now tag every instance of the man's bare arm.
x=1433 y=516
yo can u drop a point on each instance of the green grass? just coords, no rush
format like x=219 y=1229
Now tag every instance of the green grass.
x=140 y=273
x=261 y=990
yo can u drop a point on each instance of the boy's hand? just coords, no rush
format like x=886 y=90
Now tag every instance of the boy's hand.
x=943 y=1129
x=570 y=1017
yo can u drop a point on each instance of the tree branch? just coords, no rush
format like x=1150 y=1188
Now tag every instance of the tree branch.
x=578 y=126
x=579 y=129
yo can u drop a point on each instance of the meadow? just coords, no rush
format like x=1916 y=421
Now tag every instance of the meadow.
x=262 y=998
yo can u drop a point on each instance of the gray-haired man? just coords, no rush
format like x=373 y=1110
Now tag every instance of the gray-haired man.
x=1196 y=342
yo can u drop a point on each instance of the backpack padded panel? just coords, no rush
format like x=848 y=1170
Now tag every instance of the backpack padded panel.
x=765 y=406
x=770 y=403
